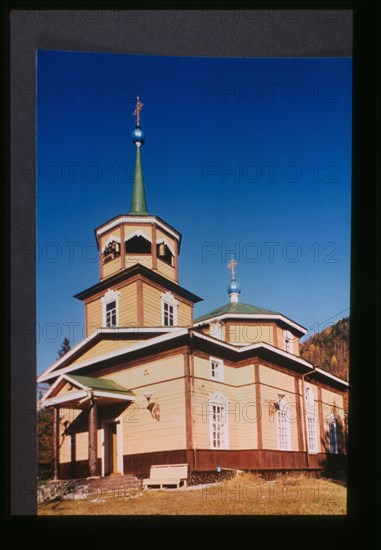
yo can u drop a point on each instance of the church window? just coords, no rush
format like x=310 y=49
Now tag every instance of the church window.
x=310 y=420
x=332 y=434
x=216 y=369
x=218 y=421
x=169 y=309
x=138 y=244
x=288 y=341
x=110 y=309
x=283 y=425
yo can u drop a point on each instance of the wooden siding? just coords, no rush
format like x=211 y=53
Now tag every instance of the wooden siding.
x=207 y=460
x=145 y=229
x=111 y=267
x=143 y=259
x=166 y=269
x=152 y=308
x=128 y=305
x=93 y=316
x=272 y=383
x=142 y=433
x=250 y=333
x=103 y=347
x=280 y=341
x=149 y=373
x=232 y=376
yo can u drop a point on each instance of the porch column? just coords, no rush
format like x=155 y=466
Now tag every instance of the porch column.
x=56 y=437
x=93 y=447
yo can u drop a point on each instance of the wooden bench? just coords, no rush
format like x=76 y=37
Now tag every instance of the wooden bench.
x=167 y=474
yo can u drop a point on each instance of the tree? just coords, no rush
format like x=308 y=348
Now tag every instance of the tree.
x=65 y=347
x=44 y=439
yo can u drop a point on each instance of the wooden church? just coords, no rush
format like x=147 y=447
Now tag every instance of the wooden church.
x=149 y=384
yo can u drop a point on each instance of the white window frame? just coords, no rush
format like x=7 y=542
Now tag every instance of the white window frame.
x=218 y=421
x=216 y=369
x=311 y=420
x=332 y=421
x=288 y=341
x=169 y=299
x=283 y=425
x=110 y=296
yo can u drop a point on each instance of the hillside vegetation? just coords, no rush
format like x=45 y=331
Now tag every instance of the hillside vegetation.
x=329 y=349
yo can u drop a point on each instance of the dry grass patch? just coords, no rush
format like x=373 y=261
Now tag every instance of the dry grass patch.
x=246 y=494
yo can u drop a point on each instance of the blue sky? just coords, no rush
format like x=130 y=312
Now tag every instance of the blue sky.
x=243 y=156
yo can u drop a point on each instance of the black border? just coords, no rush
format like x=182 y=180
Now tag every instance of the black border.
x=20 y=42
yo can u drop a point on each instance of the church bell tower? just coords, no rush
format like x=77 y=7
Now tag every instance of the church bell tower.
x=138 y=258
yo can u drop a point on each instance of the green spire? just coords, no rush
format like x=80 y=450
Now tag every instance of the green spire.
x=138 y=202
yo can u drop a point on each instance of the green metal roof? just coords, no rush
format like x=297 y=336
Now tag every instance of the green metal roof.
x=235 y=307
x=100 y=384
x=138 y=202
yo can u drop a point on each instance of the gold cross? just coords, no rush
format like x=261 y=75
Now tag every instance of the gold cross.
x=138 y=108
x=231 y=265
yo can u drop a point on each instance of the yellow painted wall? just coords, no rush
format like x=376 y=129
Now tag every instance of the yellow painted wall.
x=128 y=306
x=143 y=259
x=152 y=372
x=272 y=383
x=166 y=269
x=233 y=376
x=104 y=347
x=94 y=316
x=250 y=333
x=142 y=433
x=145 y=229
x=152 y=308
x=115 y=265
x=81 y=439
x=280 y=336
x=201 y=413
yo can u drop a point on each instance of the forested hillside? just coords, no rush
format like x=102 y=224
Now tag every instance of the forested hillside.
x=329 y=349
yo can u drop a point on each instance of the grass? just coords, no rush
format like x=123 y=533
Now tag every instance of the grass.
x=247 y=494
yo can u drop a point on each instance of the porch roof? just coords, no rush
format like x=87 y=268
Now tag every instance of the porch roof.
x=100 y=384
x=106 y=391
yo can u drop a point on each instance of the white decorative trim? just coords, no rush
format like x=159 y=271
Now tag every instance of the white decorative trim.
x=218 y=398
x=119 y=436
x=159 y=241
x=309 y=398
x=288 y=339
x=138 y=233
x=72 y=396
x=168 y=298
x=170 y=333
x=132 y=219
x=332 y=376
x=220 y=377
x=313 y=417
x=265 y=316
x=162 y=338
x=103 y=330
x=284 y=410
x=109 y=240
x=110 y=296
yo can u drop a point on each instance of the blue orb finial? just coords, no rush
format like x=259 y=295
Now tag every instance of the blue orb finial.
x=234 y=287
x=137 y=136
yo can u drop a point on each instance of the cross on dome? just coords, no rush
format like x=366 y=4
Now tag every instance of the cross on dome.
x=136 y=113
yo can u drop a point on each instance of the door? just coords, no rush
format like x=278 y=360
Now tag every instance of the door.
x=111 y=448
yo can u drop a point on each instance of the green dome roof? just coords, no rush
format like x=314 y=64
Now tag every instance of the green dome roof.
x=235 y=307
